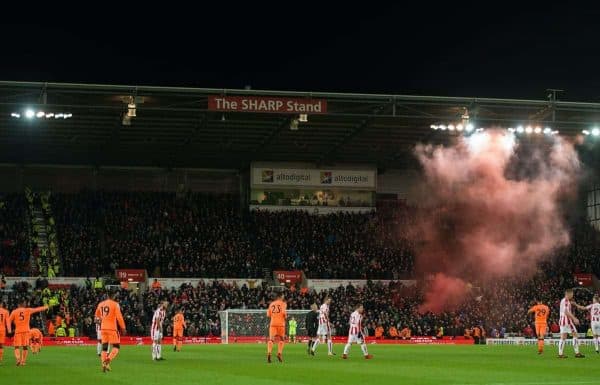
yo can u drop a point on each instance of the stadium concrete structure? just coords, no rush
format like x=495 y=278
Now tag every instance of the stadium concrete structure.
x=119 y=125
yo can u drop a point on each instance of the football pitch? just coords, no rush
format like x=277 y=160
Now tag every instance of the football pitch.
x=246 y=364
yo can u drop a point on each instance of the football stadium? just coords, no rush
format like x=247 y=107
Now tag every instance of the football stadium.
x=326 y=237
x=301 y=194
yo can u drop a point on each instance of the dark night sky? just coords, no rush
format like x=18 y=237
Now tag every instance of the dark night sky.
x=471 y=49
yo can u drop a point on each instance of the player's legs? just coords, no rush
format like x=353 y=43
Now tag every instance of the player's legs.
x=177 y=339
x=575 y=341
x=596 y=331
x=20 y=343
x=540 y=330
x=272 y=333
x=348 y=346
x=280 y=344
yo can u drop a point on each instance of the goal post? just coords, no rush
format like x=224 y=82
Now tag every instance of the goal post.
x=250 y=323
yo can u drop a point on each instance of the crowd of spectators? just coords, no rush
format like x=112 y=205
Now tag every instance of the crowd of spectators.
x=198 y=235
x=14 y=240
x=391 y=308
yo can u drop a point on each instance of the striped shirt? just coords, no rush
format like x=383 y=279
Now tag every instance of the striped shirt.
x=324 y=314
x=565 y=306
x=158 y=319
x=355 y=323
x=594 y=312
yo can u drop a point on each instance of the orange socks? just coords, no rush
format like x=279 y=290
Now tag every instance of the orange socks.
x=104 y=356
x=1 y=353
x=18 y=354
x=179 y=343
x=269 y=347
x=280 y=347
x=540 y=345
x=113 y=354
x=24 y=356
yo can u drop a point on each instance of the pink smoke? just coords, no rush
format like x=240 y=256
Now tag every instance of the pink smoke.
x=488 y=210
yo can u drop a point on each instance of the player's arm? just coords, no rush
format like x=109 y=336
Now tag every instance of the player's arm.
x=531 y=310
x=38 y=309
x=578 y=306
x=572 y=317
x=120 y=320
x=98 y=314
x=269 y=312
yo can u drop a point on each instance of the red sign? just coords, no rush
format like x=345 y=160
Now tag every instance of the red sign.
x=266 y=104
x=288 y=276
x=133 y=275
x=584 y=279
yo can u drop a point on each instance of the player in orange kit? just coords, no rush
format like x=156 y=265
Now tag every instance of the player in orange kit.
x=541 y=312
x=35 y=340
x=277 y=312
x=108 y=313
x=5 y=327
x=178 y=326
x=20 y=317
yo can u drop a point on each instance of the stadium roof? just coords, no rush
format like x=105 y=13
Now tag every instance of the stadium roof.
x=175 y=128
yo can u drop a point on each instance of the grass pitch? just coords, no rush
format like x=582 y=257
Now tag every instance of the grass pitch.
x=246 y=364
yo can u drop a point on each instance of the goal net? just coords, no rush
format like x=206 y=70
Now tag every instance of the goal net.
x=248 y=323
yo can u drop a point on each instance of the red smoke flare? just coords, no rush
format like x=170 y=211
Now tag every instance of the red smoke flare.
x=486 y=212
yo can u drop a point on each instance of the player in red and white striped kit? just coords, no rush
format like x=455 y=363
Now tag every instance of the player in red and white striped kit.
x=355 y=334
x=594 y=309
x=99 y=338
x=567 y=324
x=324 y=331
x=156 y=331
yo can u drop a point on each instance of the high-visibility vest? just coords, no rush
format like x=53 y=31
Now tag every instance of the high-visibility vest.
x=97 y=284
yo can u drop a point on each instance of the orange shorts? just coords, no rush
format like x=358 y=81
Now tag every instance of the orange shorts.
x=2 y=338
x=110 y=337
x=177 y=332
x=540 y=330
x=21 y=339
x=276 y=331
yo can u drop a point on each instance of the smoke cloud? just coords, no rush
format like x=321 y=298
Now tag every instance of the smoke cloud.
x=490 y=208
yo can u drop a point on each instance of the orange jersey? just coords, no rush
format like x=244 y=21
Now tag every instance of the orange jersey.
x=178 y=321
x=21 y=316
x=541 y=313
x=35 y=333
x=4 y=322
x=277 y=312
x=109 y=313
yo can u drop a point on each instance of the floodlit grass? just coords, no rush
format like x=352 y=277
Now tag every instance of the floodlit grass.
x=246 y=364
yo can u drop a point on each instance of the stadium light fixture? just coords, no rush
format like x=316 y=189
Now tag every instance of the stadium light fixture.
x=433 y=127
x=451 y=127
x=459 y=127
x=537 y=130
x=595 y=131
x=469 y=127
x=528 y=130
x=547 y=131
x=585 y=132
x=30 y=113
x=442 y=127
x=520 y=129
